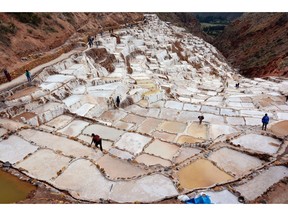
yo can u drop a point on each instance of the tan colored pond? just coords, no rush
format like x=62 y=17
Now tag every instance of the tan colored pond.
x=149 y=160
x=172 y=127
x=188 y=139
x=13 y=189
x=280 y=128
x=198 y=131
x=201 y=173
x=162 y=149
x=265 y=102
x=26 y=115
x=22 y=93
x=115 y=167
x=165 y=136
x=149 y=125
x=113 y=115
x=131 y=118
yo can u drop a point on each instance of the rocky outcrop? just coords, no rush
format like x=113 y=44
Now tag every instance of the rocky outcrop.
x=102 y=57
x=257 y=43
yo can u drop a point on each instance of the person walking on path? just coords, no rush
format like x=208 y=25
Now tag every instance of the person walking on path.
x=201 y=117
x=118 y=101
x=90 y=42
x=265 y=121
x=96 y=139
x=28 y=75
x=7 y=75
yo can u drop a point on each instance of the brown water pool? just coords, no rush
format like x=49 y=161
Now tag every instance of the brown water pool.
x=13 y=189
x=201 y=173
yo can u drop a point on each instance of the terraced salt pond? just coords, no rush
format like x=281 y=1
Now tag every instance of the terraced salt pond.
x=257 y=142
x=154 y=147
x=200 y=174
x=280 y=128
x=188 y=139
x=24 y=92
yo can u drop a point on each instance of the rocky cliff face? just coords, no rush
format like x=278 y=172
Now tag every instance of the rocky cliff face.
x=257 y=44
x=25 y=37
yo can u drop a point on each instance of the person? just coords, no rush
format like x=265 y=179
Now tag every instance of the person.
x=286 y=98
x=111 y=103
x=90 y=42
x=200 y=119
x=265 y=121
x=97 y=141
x=117 y=101
x=28 y=75
x=7 y=75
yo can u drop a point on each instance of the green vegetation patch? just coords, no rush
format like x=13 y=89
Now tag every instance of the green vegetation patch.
x=30 y=18
x=7 y=29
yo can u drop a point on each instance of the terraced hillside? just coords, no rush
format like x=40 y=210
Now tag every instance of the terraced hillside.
x=31 y=39
x=154 y=148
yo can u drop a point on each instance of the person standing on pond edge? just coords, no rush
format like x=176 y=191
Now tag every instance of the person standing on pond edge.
x=97 y=141
x=7 y=75
x=28 y=75
x=265 y=121
x=200 y=119
x=117 y=101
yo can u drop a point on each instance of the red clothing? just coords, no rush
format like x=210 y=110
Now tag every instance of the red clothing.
x=96 y=138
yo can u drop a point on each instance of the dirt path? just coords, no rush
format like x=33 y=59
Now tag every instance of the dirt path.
x=22 y=78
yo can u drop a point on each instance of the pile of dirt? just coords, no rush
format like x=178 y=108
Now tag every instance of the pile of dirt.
x=102 y=57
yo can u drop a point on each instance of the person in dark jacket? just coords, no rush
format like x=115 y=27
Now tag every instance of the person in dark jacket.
x=201 y=117
x=28 y=76
x=7 y=75
x=117 y=101
x=97 y=140
x=265 y=121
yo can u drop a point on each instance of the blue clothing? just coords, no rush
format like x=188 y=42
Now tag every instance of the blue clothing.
x=28 y=75
x=199 y=200
x=265 y=120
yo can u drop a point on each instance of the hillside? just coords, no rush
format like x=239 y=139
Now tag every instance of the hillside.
x=213 y=24
x=256 y=43
x=30 y=39
x=187 y=21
